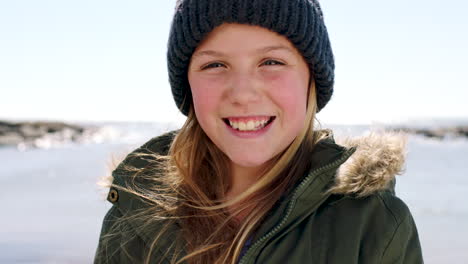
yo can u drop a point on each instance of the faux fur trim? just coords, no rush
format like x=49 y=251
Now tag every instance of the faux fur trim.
x=379 y=157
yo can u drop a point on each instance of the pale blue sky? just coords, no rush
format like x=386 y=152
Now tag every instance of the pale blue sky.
x=105 y=60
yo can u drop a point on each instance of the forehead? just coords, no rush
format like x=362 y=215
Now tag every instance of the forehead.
x=232 y=38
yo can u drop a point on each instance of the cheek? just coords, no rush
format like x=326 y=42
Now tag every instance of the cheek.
x=206 y=98
x=289 y=91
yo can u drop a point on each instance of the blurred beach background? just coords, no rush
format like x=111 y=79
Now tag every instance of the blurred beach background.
x=85 y=82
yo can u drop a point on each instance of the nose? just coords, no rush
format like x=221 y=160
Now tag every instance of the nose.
x=244 y=89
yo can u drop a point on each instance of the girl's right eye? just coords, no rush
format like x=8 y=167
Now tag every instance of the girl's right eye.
x=212 y=65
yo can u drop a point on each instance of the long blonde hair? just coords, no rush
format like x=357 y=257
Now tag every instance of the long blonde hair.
x=188 y=186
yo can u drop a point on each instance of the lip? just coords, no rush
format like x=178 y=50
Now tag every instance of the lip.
x=251 y=134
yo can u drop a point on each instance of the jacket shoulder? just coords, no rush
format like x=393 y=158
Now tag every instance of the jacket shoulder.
x=143 y=156
x=395 y=207
x=404 y=245
x=122 y=223
x=382 y=204
x=126 y=176
x=381 y=217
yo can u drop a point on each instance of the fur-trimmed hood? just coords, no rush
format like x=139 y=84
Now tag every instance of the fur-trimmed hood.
x=378 y=158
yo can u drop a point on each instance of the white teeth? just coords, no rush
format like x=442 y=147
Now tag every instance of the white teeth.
x=242 y=126
x=251 y=125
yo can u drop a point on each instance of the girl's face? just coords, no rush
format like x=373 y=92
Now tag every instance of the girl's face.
x=249 y=87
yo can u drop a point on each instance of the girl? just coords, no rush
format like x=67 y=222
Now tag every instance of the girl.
x=248 y=179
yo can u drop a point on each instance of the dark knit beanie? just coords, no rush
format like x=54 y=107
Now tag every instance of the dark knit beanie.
x=300 y=21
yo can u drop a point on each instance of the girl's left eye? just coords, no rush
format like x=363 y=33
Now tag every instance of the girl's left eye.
x=272 y=63
x=212 y=65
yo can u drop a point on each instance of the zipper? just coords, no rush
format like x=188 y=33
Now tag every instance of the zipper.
x=292 y=203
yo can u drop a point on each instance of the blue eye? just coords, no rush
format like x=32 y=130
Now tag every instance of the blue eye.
x=212 y=65
x=272 y=63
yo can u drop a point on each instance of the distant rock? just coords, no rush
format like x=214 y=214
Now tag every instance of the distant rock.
x=49 y=134
x=438 y=133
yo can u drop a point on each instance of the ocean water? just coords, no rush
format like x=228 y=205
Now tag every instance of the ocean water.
x=52 y=207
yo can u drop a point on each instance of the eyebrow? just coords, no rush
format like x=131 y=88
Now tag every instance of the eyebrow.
x=260 y=50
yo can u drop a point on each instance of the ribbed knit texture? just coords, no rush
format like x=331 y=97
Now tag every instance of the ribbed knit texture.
x=301 y=21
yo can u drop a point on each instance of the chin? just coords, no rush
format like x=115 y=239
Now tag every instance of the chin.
x=249 y=162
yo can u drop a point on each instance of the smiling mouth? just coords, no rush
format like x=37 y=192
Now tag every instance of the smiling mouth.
x=249 y=124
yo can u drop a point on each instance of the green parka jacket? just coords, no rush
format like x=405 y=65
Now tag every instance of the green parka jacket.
x=360 y=221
